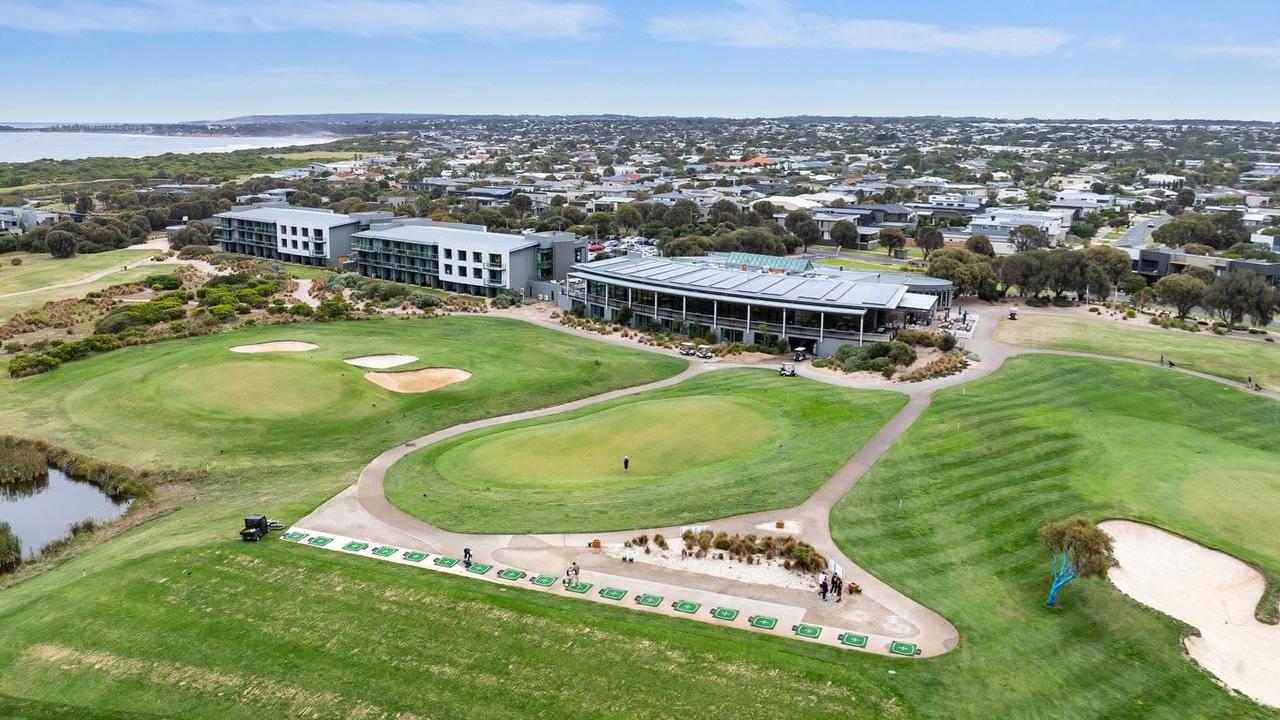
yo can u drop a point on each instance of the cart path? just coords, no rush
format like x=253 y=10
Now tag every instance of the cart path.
x=363 y=510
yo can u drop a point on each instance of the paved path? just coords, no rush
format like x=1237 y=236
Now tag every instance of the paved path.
x=363 y=510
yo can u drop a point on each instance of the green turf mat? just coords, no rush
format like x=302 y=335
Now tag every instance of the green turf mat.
x=648 y=600
x=320 y=541
x=294 y=536
x=510 y=574
x=763 y=622
x=354 y=546
x=414 y=556
x=384 y=551
x=724 y=613
x=808 y=631
x=898 y=647
x=686 y=606
x=853 y=640
x=446 y=561
x=613 y=593
x=478 y=568
x=543 y=580
x=579 y=587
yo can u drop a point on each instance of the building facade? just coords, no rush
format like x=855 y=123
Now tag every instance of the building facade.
x=813 y=307
x=306 y=237
x=465 y=258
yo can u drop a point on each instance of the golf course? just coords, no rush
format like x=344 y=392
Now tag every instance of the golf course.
x=175 y=617
x=720 y=444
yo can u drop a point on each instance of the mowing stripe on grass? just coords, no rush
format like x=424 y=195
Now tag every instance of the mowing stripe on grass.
x=853 y=640
x=685 y=606
x=763 y=622
x=728 y=614
x=807 y=631
x=613 y=593
x=648 y=600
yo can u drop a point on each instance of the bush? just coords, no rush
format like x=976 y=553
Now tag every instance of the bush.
x=191 y=252
x=163 y=282
x=1131 y=313
x=901 y=353
x=34 y=364
x=301 y=310
x=948 y=364
x=15 y=262
x=423 y=300
x=947 y=342
x=1037 y=302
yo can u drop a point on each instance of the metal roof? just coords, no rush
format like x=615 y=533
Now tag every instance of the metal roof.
x=289 y=215
x=820 y=292
x=478 y=240
x=756 y=260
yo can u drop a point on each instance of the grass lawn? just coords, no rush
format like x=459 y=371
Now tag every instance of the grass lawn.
x=1203 y=351
x=14 y=304
x=949 y=517
x=41 y=269
x=306 y=272
x=724 y=443
x=865 y=265
x=176 y=618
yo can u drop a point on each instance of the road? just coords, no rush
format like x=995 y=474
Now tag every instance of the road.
x=1139 y=234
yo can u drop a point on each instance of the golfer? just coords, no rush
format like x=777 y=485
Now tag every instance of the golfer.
x=626 y=463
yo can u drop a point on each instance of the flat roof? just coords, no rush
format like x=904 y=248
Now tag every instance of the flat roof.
x=482 y=240
x=289 y=215
x=847 y=293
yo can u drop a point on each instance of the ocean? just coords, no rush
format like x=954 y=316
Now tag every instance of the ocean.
x=25 y=147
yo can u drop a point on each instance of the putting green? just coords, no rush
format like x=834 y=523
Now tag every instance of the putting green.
x=720 y=444
x=661 y=437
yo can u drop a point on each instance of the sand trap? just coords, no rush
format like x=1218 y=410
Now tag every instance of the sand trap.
x=417 y=381
x=278 y=346
x=380 y=362
x=1209 y=590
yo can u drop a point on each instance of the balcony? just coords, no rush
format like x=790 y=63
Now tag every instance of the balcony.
x=317 y=251
x=495 y=266
x=494 y=282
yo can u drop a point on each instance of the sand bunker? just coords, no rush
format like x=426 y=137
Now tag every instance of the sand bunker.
x=417 y=381
x=380 y=362
x=278 y=346
x=1209 y=590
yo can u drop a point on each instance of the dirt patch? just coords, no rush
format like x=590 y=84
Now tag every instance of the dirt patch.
x=1209 y=590
x=277 y=346
x=380 y=362
x=417 y=381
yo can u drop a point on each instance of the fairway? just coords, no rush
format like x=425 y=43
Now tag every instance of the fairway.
x=1203 y=352
x=949 y=517
x=41 y=269
x=719 y=444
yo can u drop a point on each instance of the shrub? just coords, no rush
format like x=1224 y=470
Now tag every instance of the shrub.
x=901 y=353
x=163 y=282
x=15 y=262
x=1131 y=313
x=423 y=300
x=191 y=252
x=33 y=364
x=301 y=310
x=1037 y=302
x=947 y=342
x=943 y=365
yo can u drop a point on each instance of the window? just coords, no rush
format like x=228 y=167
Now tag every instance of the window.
x=305 y=232
x=448 y=269
x=295 y=244
x=475 y=273
x=306 y=245
x=293 y=230
x=448 y=254
x=475 y=257
x=319 y=234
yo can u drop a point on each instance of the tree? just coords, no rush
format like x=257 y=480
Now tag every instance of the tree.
x=794 y=218
x=1236 y=294
x=629 y=217
x=681 y=214
x=1198 y=249
x=1078 y=549
x=928 y=239
x=84 y=203
x=844 y=234
x=809 y=233
x=980 y=245
x=1114 y=262
x=686 y=246
x=1186 y=229
x=521 y=204
x=971 y=273
x=1181 y=291
x=60 y=243
x=1083 y=230
x=723 y=211
x=892 y=239
x=601 y=222
x=1186 y=198
x=1028 y=237
x=10 y=549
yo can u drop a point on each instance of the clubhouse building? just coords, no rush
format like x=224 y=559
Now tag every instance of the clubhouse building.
x=733 y=296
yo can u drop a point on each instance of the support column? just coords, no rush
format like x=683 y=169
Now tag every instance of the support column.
x=861 y=319
x=656 y=321
x=749 y=331
x=784 y=324
x=684 y=307
x=715 y=315
x=822 y=324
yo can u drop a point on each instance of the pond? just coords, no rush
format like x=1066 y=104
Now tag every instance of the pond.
x=43 y=511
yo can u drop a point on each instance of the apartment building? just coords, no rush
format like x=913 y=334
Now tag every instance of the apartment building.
x=303 y=236
x=466 y=258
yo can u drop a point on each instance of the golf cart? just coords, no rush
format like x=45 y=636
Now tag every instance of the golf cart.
x=787 y=370
x=686 y=349
x=1013 y=314
x=256 y=527
x=704 y=352
x=801 y=354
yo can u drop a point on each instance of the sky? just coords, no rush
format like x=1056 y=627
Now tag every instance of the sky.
x=179 y=60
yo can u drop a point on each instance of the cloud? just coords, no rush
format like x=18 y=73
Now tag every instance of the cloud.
x=1106 y=42
x=775 y=24
x=368 y=18
x=1269 y=54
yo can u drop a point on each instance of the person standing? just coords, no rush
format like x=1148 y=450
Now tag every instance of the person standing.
x=574 y=572
x=837 y=586
x=466 y=557
x=626 y=463
x=822 y=586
